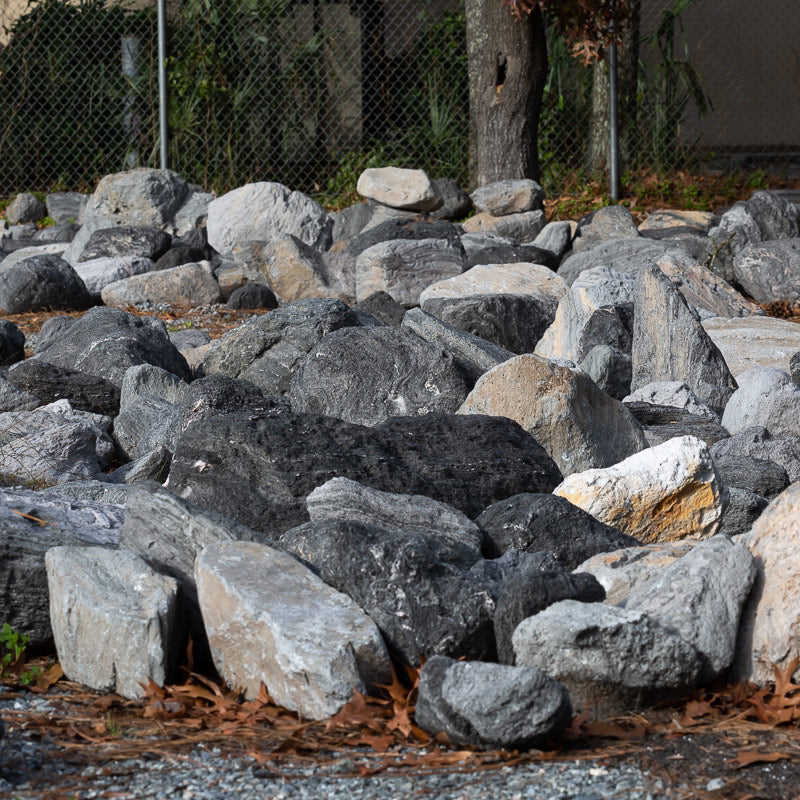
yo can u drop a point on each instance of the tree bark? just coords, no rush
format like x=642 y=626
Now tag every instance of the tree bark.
x=507 y=60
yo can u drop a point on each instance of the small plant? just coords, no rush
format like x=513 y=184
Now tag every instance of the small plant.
x=12 y=656
x=112 y=726
x=180 y=326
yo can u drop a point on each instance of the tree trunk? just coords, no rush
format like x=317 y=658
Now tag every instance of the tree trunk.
x=627 y=77
x=507 y=72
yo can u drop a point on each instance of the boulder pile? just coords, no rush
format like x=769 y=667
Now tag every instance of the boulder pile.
x=556 y=464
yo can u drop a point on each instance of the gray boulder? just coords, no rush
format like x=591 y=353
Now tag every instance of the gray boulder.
x=65 y=207
x=456 y=203
x=523 y=226
x=487 y=248
x=675 y=394
x=252 y=295
x=24 y=208
x=114 y=619
x=744 y=508
x=610 y=369
x=769 y=270
x=670 y=344
x=765 y=478
x=367 y=375
x=24 y=542
x=152 y=466
x=609 y=222
x=766 y=398
x=24 y=253
x=126 y=241
x=490 y=705
x=100 y=272
x=188 y=285
x=410 y=584
x=555 y=237
x=42 y=283
x=262 y=212
x=106 y=341
x=384 y=308
x=611 y=660
x=536 y=522
x=508 y=197
x=700 y=597
x=409 y=189
x=271 y=621
x=14 y=399
x=758 y=442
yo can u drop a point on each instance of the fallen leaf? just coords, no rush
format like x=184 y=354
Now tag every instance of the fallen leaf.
x=744 y=758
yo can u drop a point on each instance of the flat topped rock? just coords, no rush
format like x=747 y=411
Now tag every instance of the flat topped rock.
x=754 y=341
x=508 y=197
x=665 y=218
x=409 y=189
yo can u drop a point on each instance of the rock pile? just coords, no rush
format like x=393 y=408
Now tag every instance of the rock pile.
x=550 y=462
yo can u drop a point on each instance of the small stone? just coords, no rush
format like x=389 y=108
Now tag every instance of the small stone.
x=25 y=208
x=252 y=296
x=524 y=226
x=409 y=189
x=508 y=197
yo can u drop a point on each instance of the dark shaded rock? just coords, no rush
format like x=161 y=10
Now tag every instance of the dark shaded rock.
x=266 y=350
x=152 y=466
x=529 y=593
x=48 y=382
x=759 y=476
x=367 y=375
x=511 y=254
x=496 y=573
x=511 y=321
x=52 y=330
x=610 y=369
x=794 y=368
x=456 y=203
x=12 y=343
x=57 y=233
x=252 y=295
x=533 y=522
x=106 y=341
x=216 y=394
x=259 y=468
x=744 y=508
x=383 y=307
x=421 y=601
x=670 y=344
x=759 y=443
x=127 y=240
x=556 y=237
x=490 y=705
x=42 y=283
x=182 y=254
x=404 y=229
x=661 y=423
x=25 y=208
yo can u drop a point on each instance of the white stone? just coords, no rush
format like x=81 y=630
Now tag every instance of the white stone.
x=97 y=273
x=186 y=285
x=754 y=341
x=409 y=189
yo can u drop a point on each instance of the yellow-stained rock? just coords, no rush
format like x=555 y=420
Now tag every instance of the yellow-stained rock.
x=662 y=494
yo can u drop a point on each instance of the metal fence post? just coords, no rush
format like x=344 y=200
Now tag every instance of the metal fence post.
x=162 y=82
x=613 y=131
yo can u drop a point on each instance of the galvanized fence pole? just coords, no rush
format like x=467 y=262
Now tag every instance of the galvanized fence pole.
x=613 y=118
x=163 y=130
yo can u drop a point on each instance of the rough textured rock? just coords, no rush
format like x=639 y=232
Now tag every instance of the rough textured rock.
x=24 y=208
x=662 y=423
x=674 y=394
x=367 y=375
x=266 y=350
x=152 y=466
x=665 y=493
x=12 y=343
x=487 y=248
x=757 y=442
x=524 y=226
x=769 y=271
x=490 y=705
x=472 y=355
x=114 y=619
x=536 y=522
x=529 y=593
x=343 y=499
x=700 y=597
x=555 y=237
x=252 y=295
x=410 y=584
x=270 y=620
x=455 y=201
x=14 y=399
x=106 y=341
x=409 y=189
x=263 y=212
x=188 y=285
x=670 y=344
x=383 y=307
x=402 y=229
x=665 y=219
x=51 y=331
x=259 y=468
x=49 y=383
x=577 y=424
x=765 y=478
x=609 y=222
x=41 y=283
x=610 y=659
x=766 y=398
x=126 y=241
x=29 y=252
x=743 y=510
x=64 y=207
x=100 y=272
x=404 y=268
x=508 y=197
x=23 y=544
x=610 y=369
x=754 y=341
x=768 y=632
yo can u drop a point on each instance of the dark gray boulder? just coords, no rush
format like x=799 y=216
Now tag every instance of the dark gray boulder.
x=661 y=423
x=367 y=375
x=106 y=341
x=42 y=283
x=259 y=468
x=744 y=508
x=794 y=368
x=57 y=233
x=610 y=369
x=12 y=343
x=52 y=330
x=770 y=270
x=490 y=705
x=127 y=240
x=395 y=229
x=65 y=207
x=529 y=593
x=533 y=522
x=759 y=476
x=422 y=602
x=514 y=322
x=48 y=382
x=670 y=344
x=252 y=295
x=267 y=349
x=456 y=203
x=383 y=307
x=490 y=251
x=758 y=442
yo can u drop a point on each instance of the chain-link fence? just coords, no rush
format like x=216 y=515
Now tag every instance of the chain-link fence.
x=310 y=93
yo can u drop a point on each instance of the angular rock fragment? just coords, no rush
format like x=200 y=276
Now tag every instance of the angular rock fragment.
x=128 y=241
x=270 y=620
x=754 y=341
x=490 y=705
x=757 y=442
x=664 y=493
x=114 y=619
x=523 y=226
x=508 y=197
x=188 y=285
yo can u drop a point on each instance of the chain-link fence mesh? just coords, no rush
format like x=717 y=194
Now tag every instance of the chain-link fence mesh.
x=311 y=93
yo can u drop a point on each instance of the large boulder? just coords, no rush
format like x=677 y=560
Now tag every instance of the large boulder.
x=607 y=223
x=766 y=398
x=188 y=285
x=263 y=212
x=508 y=197
x=366 y=375
x=126 y=241
x=770 y=270
x=758 y=442
x=664 y=493
x=408 y=189
x=754 y=341
x=580 y=426
x=259 y=467
x=42 y=283
x=271 y=621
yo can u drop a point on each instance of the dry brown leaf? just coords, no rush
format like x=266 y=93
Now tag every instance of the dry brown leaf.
x=744 y=758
